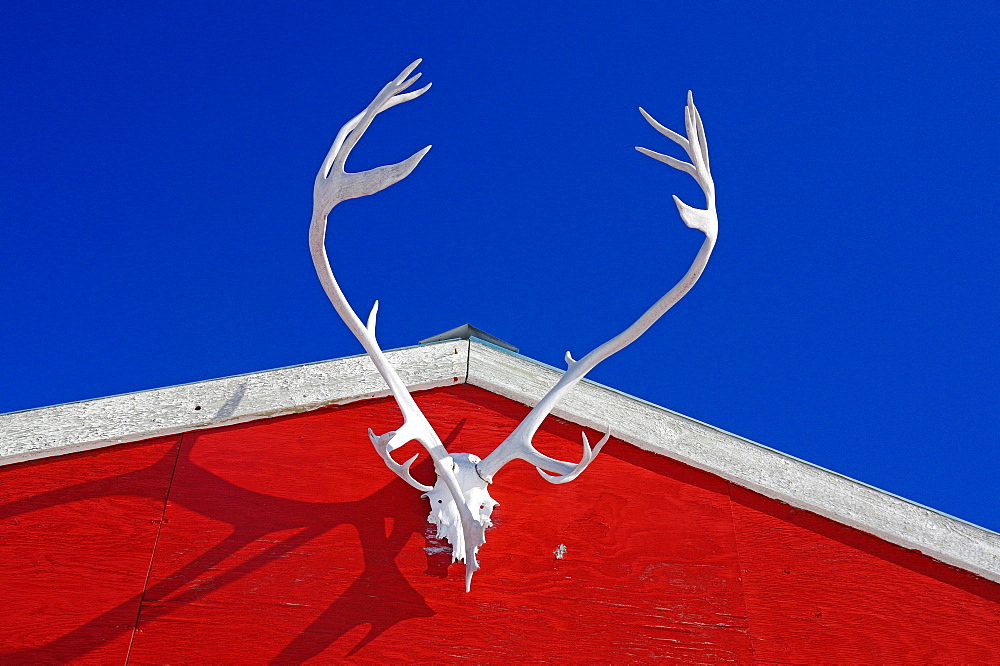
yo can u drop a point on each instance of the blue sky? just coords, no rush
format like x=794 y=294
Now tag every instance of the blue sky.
x=158 y=164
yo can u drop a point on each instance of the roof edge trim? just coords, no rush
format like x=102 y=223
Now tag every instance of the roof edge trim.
x=131 y=417
x=79 y=426
x=743 y=462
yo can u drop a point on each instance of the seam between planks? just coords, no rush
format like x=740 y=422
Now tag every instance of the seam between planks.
x=468 y=360
x=152 y=554
x=739 y=570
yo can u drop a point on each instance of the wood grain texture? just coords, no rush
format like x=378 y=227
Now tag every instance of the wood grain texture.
x=76 y=539
x=289 y=540
x=286 y=540
x=821 y=592
x=137 y=416
x=91 y=424
x=762 y=469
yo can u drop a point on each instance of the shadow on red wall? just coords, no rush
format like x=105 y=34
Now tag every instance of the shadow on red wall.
x=679 y=560
x=379 y=597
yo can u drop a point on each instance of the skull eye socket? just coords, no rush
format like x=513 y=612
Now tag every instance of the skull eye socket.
x=439 y=501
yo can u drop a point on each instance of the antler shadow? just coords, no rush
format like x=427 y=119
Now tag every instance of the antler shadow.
x=380 y=596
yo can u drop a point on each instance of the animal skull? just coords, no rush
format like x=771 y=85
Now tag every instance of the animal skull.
x=444 y=510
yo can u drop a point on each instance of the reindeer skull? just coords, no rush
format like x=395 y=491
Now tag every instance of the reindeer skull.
x=444 y=511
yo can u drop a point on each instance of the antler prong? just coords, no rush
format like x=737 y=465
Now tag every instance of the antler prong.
x=665 y=131
x=391 y=94
x=588 y=456
x=672 y=161
x=407 y=70
x=410 y=81
x=702 y=139
x=383 y=446
x=399 y=98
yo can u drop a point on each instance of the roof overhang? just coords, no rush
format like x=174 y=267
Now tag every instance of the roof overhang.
x=91 y=424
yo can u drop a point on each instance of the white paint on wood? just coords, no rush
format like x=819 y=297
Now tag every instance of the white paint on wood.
x=79 y=426
x=49 y=431
x=745 y=463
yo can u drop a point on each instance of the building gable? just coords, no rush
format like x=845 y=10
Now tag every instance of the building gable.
x=39 y=433
x=287 y=539
x=162 y=524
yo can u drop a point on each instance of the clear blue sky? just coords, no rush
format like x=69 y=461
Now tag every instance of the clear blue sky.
x=158 y=163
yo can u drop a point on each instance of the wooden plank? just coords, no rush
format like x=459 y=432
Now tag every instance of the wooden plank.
x=288 y=539
x=76 y=539
x=750 y=465
x=821 y=592
x=91 y=424
x=107 y=421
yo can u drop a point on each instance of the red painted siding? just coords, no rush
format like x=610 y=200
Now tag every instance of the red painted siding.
x=76 y=537
x=287 y=540
x=815 y=588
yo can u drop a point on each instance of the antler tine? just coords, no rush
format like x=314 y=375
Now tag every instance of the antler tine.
x=696 y=147
x=665 y=131
x=518 y=443
x=383 y=101
x=588 y=455
x=383 y=445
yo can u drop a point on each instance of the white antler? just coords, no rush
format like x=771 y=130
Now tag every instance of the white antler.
x=460 y=502
x=518 y=443
x=333 y=185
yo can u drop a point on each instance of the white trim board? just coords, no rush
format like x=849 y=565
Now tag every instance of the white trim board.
x=131 y=417
x=745 y=463
x=80 y=426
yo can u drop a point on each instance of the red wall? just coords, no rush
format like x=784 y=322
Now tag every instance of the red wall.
x=287 y=539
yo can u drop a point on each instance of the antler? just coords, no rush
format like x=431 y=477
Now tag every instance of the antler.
x=333 y=185
x=518 y=443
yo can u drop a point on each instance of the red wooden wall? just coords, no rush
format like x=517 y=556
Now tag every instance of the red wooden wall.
x=287 y=540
